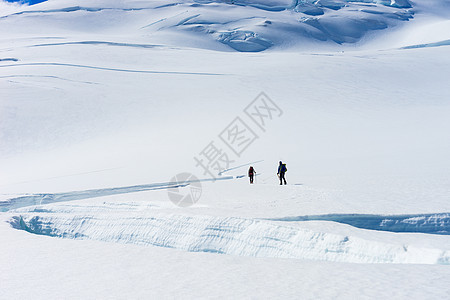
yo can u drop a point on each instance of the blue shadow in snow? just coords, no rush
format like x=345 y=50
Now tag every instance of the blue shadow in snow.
x=438 y=223
x=29 y=2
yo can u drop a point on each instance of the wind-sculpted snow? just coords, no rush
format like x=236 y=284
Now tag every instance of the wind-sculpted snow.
x=276 y=5
x=424 y=223
x=245 y=41
x=247 y=26
x=280 y=22
x=224 y=235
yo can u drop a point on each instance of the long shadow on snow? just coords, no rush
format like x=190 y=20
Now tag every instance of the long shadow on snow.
x=112 y=69
x=95 y=43
x=423 y=223
x=40 y=199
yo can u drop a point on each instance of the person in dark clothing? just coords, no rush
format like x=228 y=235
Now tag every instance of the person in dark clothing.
x=281 y=172
x=251 y=173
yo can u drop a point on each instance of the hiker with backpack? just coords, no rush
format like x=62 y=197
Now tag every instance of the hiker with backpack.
x=281 y=172
x=251 y=173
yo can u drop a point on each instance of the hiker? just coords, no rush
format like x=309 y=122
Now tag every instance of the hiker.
x=251 y=173
x=281 y=171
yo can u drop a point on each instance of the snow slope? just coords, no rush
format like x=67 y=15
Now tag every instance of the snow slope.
x=103 y=102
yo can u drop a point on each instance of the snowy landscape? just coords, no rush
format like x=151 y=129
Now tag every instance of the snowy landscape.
x=127 y=129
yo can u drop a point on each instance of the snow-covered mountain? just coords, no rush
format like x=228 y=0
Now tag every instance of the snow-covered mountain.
x=240 y=25
x=105 y=105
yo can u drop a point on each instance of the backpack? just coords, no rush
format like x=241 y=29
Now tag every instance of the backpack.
x=283 y=168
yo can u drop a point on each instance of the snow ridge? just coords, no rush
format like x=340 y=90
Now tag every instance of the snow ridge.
x=224 y=235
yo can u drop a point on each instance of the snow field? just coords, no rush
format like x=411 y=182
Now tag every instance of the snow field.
x=103 y=102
